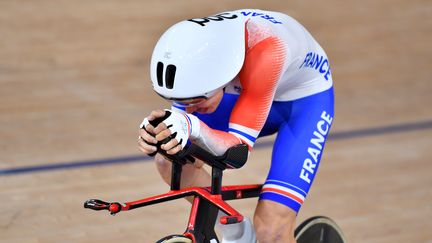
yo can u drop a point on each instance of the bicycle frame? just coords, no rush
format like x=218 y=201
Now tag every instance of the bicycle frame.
x=207 y=201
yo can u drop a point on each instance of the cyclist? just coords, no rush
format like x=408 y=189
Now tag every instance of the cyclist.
x=237 y=76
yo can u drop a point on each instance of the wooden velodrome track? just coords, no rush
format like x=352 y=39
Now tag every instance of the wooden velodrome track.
x=75 y=85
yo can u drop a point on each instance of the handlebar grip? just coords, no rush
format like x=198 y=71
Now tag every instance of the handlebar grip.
x=96 y=204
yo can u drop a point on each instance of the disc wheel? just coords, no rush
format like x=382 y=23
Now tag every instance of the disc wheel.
x=319 y=229
x=175 y=239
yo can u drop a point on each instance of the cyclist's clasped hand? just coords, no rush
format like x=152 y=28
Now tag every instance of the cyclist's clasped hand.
x=163 y=124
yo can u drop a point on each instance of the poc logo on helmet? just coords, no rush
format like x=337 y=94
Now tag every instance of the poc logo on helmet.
x=219 y=17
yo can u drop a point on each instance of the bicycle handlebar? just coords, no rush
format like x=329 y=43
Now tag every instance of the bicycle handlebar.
x=234 y=158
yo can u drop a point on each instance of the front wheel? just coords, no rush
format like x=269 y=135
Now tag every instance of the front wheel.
x=319 y=229
x=175 y=239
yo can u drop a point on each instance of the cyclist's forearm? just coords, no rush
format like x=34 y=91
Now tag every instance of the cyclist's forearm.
x=215 y=141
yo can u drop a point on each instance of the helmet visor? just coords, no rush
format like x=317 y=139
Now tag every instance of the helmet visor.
x=187 y=102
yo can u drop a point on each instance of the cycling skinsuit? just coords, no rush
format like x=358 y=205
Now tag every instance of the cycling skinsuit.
x=284 y=87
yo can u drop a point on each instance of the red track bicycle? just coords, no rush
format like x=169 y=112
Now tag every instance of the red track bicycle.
x=208 y=201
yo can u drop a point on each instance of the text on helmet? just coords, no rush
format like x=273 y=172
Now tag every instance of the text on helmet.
x=219 y=17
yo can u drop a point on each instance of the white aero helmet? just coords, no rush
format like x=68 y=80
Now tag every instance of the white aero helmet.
x=195 y=57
